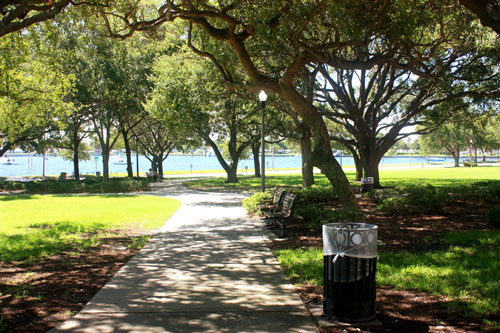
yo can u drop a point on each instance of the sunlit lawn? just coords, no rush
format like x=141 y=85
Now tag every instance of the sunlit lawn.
x=433 y=176
x=36 y=226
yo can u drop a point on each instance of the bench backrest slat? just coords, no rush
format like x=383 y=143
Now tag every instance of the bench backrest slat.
x=278 y=196
x=288 y=204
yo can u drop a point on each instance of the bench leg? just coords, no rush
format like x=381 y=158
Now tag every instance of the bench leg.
x=271 y=225
x=283 y=229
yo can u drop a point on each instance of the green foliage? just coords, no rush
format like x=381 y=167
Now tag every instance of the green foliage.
x=314 y=194
x=88 y=185
x=488 y=191
x=426 y=198
x=251 y=203
x=493 y=217
x=11 y=185
x=394 y=205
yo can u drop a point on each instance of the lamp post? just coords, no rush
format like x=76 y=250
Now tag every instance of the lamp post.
x=470 y=150
x=262 y=99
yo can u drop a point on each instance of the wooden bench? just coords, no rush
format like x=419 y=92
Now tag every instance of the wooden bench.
x=274 y=205
x=280 y=217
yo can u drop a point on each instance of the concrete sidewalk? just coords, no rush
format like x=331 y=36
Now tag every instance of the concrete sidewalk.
x=208 y=270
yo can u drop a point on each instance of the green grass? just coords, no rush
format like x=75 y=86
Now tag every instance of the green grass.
x=439 y=176
x=38 y=226
x=467 y=273
x=403 y=177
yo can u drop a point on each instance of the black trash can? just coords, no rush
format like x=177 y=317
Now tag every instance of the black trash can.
x=366 y=184
x=350 y=261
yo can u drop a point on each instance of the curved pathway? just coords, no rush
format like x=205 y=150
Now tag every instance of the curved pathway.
x=207 y=270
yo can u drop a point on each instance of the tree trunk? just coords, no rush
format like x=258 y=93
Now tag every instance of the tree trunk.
x=232 y=176
x=322 y=156
x=359 y=167
x=370 y=168
x=307 y=166
x=357 y=162
x=128 y=152
x=160 y=166
x=105 y=163
x=76 y=164
x=256 y=161
x=456 y=158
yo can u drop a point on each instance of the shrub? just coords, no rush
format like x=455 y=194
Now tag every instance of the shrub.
x=11 y=185
x=381 y=193
x=251 y=203
x=488 y=191
x=427 y=198
x=395 y=205
x=314 y=194
x=493 y=216
x=93 y=185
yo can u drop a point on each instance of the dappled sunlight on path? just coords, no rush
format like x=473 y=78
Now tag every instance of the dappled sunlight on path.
x=208 y=269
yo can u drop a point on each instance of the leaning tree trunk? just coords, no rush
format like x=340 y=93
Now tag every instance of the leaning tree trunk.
x=322 y=156
x=307 y=166
x=256 y=161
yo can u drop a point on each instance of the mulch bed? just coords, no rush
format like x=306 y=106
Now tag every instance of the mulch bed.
x=401 y=310
x=35 y=297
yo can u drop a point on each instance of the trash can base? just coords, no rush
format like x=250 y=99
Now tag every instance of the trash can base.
x=349 y=312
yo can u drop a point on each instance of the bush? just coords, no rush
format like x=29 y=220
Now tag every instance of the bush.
x=381 y=193
x=493 y=216
x=488 y=191
x=395 y=205
x=93 y=185
x=251 y=203
x=314 y=194
x=412 y=198
x=10 y=185
x=427 y=198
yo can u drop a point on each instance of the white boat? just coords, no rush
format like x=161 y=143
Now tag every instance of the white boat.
x=120 y=161
x=7 y=161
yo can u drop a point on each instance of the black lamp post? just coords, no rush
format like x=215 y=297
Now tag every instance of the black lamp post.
x=470 y=152
x=262 y=99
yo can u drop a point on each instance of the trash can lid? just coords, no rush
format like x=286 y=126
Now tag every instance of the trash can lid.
x=367 y=180
x=358 y=240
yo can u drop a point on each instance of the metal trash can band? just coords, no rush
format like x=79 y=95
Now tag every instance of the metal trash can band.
x=350 y=255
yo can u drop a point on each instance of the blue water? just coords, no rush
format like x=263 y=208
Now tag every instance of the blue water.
x=54 y=165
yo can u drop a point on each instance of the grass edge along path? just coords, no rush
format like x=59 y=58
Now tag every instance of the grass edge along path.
x=39 y=226
x=467 y=272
